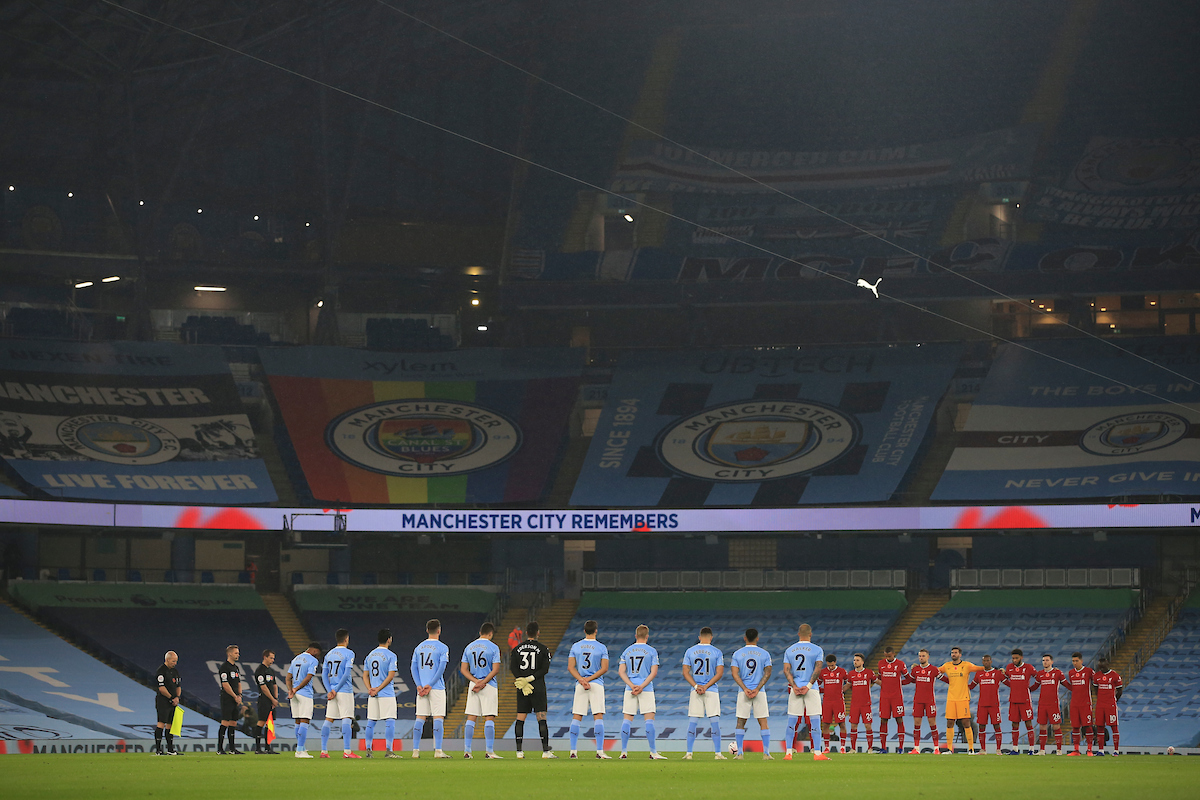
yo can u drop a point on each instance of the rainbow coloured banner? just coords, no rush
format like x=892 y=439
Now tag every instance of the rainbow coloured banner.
x=484 y=426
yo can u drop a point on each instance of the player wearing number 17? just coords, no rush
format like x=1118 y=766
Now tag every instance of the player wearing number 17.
x=338 y=674
x=638 y=666
x=480 y=665
x=429 y=660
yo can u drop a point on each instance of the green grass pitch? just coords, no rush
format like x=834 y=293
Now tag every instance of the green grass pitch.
x=861 y=777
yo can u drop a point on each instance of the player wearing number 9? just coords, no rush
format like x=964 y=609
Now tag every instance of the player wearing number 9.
x=751 y=670
x=429 y=660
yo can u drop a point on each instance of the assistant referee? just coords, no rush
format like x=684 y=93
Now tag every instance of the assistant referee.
x=166 y=700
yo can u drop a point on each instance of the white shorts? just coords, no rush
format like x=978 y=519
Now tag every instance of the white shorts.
x=638 y=703
x=381 y=708
x=593 y=696
x=302 y=707
x=432 y=704
x=806 y=705
x=341 y=706
x=483 y=703
x=704 y=705
x=752 y=709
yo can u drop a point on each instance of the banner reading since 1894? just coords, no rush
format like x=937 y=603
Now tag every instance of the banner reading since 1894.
x=763 y=427
x=128 y=421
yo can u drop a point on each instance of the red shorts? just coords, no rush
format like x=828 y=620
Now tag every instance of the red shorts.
x=860 y=714
x=891 y=708
x=988 y=715
x=924 y=710
x=1020 y=712
x=832 y=715
x=1050 y=715
x=1106 y=715
x=1080 y=716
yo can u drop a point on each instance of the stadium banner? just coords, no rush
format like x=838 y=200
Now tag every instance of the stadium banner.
x=653 y=166
x=41 y=594
x=479 y=426
x=1113 y=164
x=781 y=427
x=479 y=599
x=593 y=523
x=128 y=421
x=1047 y=426
x=1127 y=211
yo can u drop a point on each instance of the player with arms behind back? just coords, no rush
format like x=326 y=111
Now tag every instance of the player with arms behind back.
x=833 y=702
x=924 y=675
x=988 y=681
x=428 y=665
x=1108 y=691
x=379 y=673
x=861 y=680
x=480 y=665
x=587 y=664
x=637 y=667
x=802 y=663
x=1020 y=707
x=301 y=672
x=751 y=669
x=1079 y=678
x=338 y=673
x=892 y=673
x=528 y=663
x=703 y=666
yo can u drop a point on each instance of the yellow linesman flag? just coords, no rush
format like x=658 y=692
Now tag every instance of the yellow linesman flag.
x=271 y=727
x=177 y=722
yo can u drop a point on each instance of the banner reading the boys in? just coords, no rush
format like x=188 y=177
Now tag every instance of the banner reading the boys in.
x=776 y=428
x=480 y=426
x=128 y=421
x=1044 y=429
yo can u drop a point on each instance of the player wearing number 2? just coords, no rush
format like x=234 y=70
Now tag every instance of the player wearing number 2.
x=703 y=666
x=480 y=665
x=638 y=666
x=429 y=660
x=528 y=663
x=802 y=664
x=751 y=669
x=587 y=664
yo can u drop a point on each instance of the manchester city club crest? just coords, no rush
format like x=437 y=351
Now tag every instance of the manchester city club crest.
x=118 y=440
x=423 y=438
x=757 y=440
x=1134 y=433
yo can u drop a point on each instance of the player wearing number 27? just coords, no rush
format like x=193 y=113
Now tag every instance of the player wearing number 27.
x=429 y=660
x=638 y=666
x=338 y=675
x=480 y=665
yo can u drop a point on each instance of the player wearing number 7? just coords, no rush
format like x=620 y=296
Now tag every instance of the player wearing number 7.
x=429 y=660
x=638 y=666
x=480 y=665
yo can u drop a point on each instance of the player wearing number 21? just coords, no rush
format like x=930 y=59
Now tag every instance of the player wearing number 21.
x=703 y=666
x=429 y=660
x=638 y=666
x=480 y=665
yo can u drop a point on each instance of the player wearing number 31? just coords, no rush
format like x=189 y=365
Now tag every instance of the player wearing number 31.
x=480 y=664
x=638 y=666
x=429 y=660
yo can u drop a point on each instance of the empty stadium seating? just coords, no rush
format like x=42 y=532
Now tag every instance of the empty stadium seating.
x=844 y=622
x=221 y=330
x=409 y=334
x=41 y=323
x=1161 y=706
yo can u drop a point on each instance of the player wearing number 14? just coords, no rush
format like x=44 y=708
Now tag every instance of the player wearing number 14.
x=429 y=660
x=480 y=664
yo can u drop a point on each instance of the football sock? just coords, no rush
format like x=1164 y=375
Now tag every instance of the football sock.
x=739 y=735
x=1116 y=738
x=369 y=734
x=418 y=730
x=1016 y=737
x=854 y=738
x=326 y=728
x=1058 y=739
x=258 y=732
x=438 y=728
x=574 y=731
x=814 y=730
x=883 y=732
x=301 y=735
x=970 y=737
x=158 y=734
x=714 y=727
x=1042 y=740
x=626 y=729
x=470 y=735
x=519 y=733
x=790 y=734
x=489 y=734
x=170 y=740
x=933 y=733
x=766 y=740
x=1075 y=738
x=544 y=731
x=899 y=734
x=347 y=729
x=1030 y=729
x=651 y=734
x=389 y=733
x=691 y=735
x=599 y=733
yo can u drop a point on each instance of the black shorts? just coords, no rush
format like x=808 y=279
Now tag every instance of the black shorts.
x=264 y=708
x=230 y=709
x=164 y=709
x=532 y=703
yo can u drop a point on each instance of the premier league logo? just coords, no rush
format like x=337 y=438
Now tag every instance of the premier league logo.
x=119 y=440
x=1134 y=433
x=423 y=438
x=757 y=440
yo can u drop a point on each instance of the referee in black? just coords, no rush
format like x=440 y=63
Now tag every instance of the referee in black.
x=268 y=701
x=528 y=663
x=231 y=700
x=166 y=700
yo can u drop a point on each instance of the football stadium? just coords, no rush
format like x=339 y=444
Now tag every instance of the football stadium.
x=757 y=395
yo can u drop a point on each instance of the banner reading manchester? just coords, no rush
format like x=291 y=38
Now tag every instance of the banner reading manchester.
x=128 y=421
x=773 y=428
x=1044 y=429
x=479 y=426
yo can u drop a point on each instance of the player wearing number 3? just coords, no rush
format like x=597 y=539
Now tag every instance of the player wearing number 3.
x=638 y=666
x=480 y=665
x=587 y=664
x=429 y=660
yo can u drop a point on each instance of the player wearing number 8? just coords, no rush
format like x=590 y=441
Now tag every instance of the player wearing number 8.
x=429 y=660
x=379 y=670
x=480 y=664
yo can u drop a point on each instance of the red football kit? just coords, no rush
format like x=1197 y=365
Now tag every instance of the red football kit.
x=1020 y=708
x=988 y=682
x=860 y=695
x=1049 y=680
x=1080 y=681
x=892 y=675
x=833 y=704
x=1107 y=684
x=924 y=704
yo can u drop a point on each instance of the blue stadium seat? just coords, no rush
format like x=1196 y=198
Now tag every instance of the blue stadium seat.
x=134 y=576
x=297 y=578
x=206 y=577
x=243 y=577
x=98 y=575
x=169 y=576
x=64 y=574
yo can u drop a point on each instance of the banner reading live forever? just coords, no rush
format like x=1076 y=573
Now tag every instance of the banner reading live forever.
x=481 y=426
x=1043 y=429
x=763 y=427
x=128 y=421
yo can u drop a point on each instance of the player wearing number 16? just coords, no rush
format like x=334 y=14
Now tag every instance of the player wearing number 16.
x=638 y=666
x=429 y=660
x=338 y=674
x=379 y=672
x=480 y=664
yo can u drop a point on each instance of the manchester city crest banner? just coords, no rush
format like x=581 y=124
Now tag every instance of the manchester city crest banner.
x=1082 y=419
x=479 y=426
x=775 y=428
x=128 y=421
